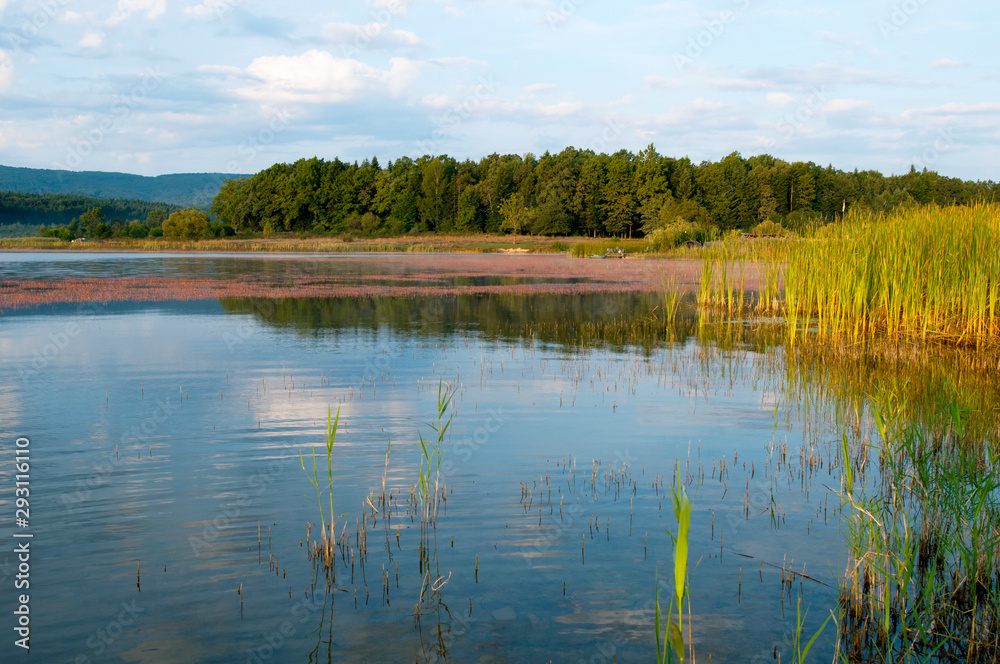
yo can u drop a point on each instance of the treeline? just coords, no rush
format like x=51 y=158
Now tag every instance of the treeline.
x=61 y=209
x=187 y=224
x=575 y=192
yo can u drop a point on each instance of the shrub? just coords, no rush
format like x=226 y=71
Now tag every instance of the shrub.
x=768 y=228
x=677 y=233
x=189 y=224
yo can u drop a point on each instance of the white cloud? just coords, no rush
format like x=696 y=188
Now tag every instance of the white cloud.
x=91 y=40
x=660 y=83
x=539 y=87
x=194 y=119
x=153 y=8
x=3 y=5
x=845 y=105
x=849 y=42
x=371 y=34
x=947 y=63
x=779 y=99
x=740 y=84
x=702 y=105
x=393 y=6
x=562 y=109
x=982 y=108
x=134 y=157
x=319 y=77
x=693 y=113
x=6 y=71
x=460 y=61
x=436 y=101
x=221 y=69
x=210 y=8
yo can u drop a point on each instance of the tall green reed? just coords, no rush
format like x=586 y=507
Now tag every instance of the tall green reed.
x=670 y=636
x=930 y=273
x=432 y=454
x=924 y=539
x=327 y=538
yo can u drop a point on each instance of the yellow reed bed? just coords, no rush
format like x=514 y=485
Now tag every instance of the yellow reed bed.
x=930 y=273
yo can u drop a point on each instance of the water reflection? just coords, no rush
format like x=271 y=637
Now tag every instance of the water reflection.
x=595 y=399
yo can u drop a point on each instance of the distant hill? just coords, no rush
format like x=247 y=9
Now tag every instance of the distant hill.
x=183 y=189
x=33 y=210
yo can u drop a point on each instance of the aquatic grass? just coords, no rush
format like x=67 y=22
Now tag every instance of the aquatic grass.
x=801 y=652
x=923 y=542
x=928 y=273
x=432 y=454
x=327 y=537
x=670 y=637
x=429 y=494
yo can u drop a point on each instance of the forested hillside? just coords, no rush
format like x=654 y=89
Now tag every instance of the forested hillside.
x=60 y=209
x=183 y=189
x=573 y=192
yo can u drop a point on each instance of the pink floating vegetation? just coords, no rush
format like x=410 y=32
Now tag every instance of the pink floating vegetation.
x=363 y=277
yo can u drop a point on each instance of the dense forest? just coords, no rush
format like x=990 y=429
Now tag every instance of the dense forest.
x=183 y=189
x=60 y=209
x=575 y=192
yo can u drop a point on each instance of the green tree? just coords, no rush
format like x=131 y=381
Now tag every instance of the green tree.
x=588 y=200
x=156 y=218
x=516 y=214
x=803 y=191
x=189 y=224
x=620 y=195
x=91 y=220
x=136 y=230
x=434 y=199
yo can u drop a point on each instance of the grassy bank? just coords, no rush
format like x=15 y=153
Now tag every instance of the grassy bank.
x=291 y=243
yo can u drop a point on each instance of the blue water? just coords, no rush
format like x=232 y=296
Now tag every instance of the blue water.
x=165 y=436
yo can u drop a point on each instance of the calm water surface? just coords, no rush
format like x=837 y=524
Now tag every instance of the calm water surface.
x=165 y=475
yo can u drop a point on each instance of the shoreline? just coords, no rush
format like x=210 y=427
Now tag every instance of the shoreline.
x=438 y=244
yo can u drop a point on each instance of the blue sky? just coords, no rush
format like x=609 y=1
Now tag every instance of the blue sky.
x=165 y=86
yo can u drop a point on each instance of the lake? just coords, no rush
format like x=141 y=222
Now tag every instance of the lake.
x=170 y=401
